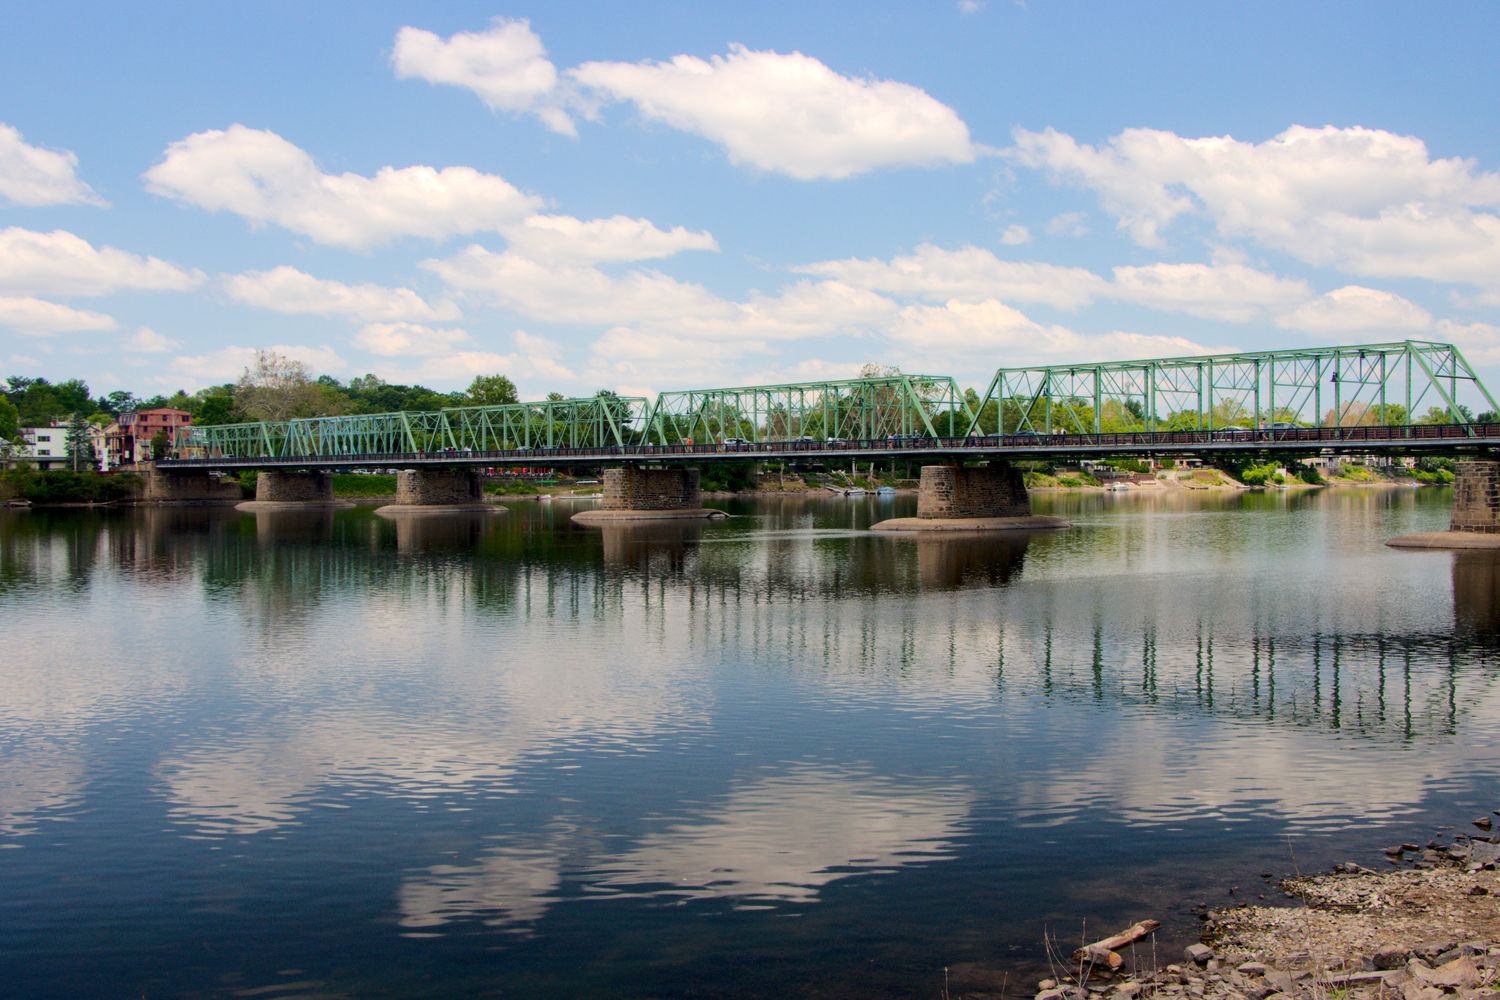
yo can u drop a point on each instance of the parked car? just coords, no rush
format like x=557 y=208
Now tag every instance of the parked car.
x=1233 y=433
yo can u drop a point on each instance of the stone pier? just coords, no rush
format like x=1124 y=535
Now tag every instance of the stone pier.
x=438 y=491
x=1475 y=523
x=954 y=497
x=188 y=487
x=632 y=493
x=275 y=490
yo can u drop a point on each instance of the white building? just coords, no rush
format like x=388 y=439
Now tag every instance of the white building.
x=47 y=447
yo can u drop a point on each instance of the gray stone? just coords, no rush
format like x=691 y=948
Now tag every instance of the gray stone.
x=1390 y=957
x=1198 y=953
x=953 y=491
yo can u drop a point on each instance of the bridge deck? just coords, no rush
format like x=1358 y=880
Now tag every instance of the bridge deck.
x=1406 y=439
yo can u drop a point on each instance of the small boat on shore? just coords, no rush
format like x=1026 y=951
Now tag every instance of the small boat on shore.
x=886 y=491
x=855 y=491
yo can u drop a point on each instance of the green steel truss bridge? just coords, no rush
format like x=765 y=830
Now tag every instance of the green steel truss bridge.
x=1363 y=398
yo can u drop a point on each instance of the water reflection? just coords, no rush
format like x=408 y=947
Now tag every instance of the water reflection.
x=784 y=837
x=510 y=734
x=1476 y=592
x=650 y=547
x=947 y=561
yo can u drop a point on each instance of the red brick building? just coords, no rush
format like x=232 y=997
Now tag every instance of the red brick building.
x=128 y=439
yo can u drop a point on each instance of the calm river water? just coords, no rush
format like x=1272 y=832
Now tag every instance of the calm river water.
x=334 y=754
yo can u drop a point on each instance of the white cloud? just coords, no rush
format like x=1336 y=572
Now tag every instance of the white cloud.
x=970 y=6
x=287 y=290
x=228 y=363
x=615 y=239
x=1015 y=235
x=505 y=65
x=403 y=339
x=936 y=274
x=60 y=263
x=34 y=177
x=573 y=294
x=148 y=341
x=649 y=301
x=263 y=178
x=1364 y=200
x=789 y=113
x=1480 y=342
x=994 y=328
x=40 y=318
x=1355 y=308
x=1230 y=292
x=1068 y=224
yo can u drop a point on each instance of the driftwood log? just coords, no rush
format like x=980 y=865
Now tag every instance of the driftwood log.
x=1102 y=952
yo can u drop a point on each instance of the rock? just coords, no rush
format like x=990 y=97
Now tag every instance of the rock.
x=1479 y=890
x=1198 y=954
x=1414 y=990
x=1390 y=957
x=1053 y=994
x=1280 y=981
x=1396 y=851
x=1127 y=990
x=1410 y=847
x=1047 y=984
x=1428 y=950
x=1459 y=951
x=1460 y=974
x=1252 y=969
x=1484 y=822
x=1484 y=853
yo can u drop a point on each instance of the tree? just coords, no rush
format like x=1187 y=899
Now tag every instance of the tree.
x=277 y=387
x=216 y=408
x=160 y=445
x=80 y=447
x=10 y=420
x=490 y=390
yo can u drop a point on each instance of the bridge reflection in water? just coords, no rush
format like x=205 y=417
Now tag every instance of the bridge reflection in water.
x=840 y=604
x=473 y=724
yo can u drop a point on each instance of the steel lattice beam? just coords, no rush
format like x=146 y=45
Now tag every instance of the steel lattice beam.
x=1370 y=384
x=910 y=406
x=592 y=422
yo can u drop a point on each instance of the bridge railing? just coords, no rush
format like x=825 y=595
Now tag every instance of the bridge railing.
x=1412 y=437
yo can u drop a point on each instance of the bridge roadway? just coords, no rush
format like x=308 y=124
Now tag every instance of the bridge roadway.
x=1412 y=439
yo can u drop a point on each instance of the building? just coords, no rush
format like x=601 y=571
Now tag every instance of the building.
x=128 y=439
x=43 y=447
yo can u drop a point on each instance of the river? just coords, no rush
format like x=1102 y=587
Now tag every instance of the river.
x=331 y=753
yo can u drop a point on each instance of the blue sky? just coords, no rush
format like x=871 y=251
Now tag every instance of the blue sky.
x=655 y=196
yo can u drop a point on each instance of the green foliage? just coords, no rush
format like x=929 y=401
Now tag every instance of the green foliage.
x=69 y=487
x=10 y=420
x=216 y=408
x=1309 y=475
x=728 y=477
x=490 y=390
x=347 y=484
x=80 y=450
x=1129 y=465
x=1258 y=475
x=511 y=487
x=160 y=445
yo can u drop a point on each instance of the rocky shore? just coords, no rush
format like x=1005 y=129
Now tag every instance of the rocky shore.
x=1425 y=927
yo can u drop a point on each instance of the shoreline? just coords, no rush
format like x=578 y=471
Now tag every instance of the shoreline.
x=1426 y=927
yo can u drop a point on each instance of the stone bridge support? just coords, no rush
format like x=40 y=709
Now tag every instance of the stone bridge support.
x=954 y=497
x=293 y=489
x=632 y=493
x=435 y=491
x=1475 y=522
x=188 y=486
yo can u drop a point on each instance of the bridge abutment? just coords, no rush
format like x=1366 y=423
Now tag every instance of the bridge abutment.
x=436 y=491
x=1475 y=522
x=165 y=487
x=279 y=489
x=953 y=497
x=633 y=493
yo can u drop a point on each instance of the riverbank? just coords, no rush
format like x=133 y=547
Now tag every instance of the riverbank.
x=1425 y=928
